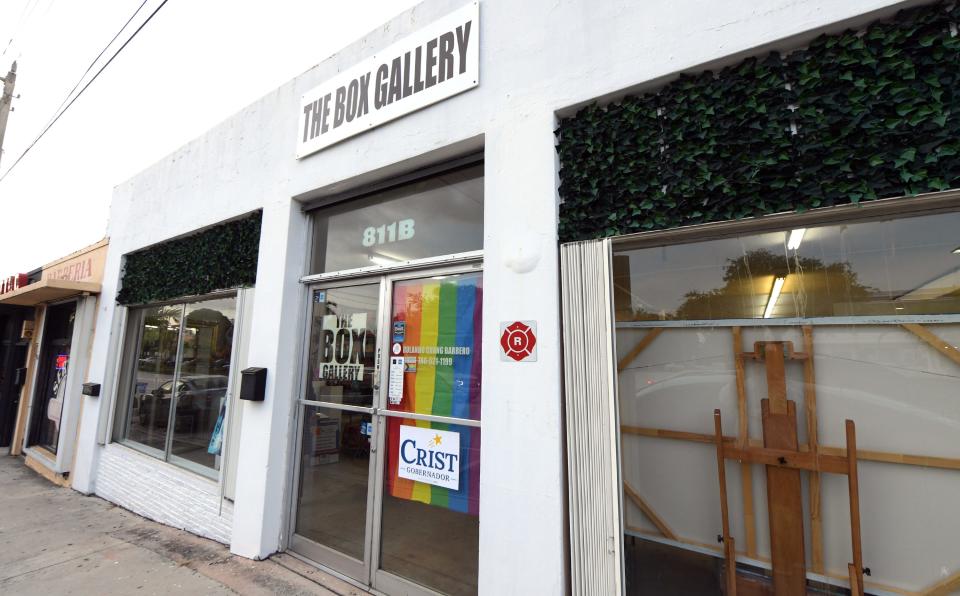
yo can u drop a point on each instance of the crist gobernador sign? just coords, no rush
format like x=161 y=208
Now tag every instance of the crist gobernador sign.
x=434 y=63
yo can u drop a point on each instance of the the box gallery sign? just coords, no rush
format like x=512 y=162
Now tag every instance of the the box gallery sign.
x=436 y=62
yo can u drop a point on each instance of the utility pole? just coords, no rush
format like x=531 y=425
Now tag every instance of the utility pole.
x=5 y=100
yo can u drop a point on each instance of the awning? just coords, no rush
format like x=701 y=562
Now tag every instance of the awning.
x=48 y=290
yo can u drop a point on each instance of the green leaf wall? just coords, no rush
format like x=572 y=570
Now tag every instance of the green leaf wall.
x=853 y=117
x=218 y=258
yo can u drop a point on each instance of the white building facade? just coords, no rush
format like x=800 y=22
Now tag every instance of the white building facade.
x=393 y=257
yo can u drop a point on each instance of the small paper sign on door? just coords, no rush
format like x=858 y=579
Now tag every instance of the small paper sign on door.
x=395 y=389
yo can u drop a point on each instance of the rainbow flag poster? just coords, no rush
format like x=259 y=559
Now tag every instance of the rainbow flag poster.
x=437 y=324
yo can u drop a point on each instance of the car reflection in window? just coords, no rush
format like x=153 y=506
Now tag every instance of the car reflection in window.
x=197 y=396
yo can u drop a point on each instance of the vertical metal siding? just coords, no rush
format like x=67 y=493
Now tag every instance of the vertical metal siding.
x=590 y=393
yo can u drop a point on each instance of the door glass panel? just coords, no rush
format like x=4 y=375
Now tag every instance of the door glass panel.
x=334 y=472
x=343 y=345
x=152 y=387
x=52 y=376
x=435 y=329
x=430 y=528
x=201 y=391
x=432 y=469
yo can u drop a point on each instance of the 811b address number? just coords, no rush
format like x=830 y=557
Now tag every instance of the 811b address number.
x=387 y=233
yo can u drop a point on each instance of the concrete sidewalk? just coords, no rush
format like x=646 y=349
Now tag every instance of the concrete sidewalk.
x=54 y=540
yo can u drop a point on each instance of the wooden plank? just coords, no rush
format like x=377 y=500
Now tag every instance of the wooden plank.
x=787 y=459
x=648 y=511
x=948 y=585
x=784 y=499
x=887 y=457
x=729 y=549
x=641 y=346
x=931 y=338
x=743 y=438
x=853 y=482
x=828 y=455
x=810 y=409
x=856 y=586
x=670 y=434
x=927 y=461
x=777 y=387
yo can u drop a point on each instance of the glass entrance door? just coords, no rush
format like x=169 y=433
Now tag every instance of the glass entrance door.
x=52 y=376
x=332 y=526
x=389 y=465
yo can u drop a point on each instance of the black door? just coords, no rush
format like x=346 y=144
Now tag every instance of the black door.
x=13 y=352
x=49 y=396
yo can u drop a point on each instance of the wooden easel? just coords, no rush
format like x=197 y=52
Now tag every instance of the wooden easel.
x=784 y=461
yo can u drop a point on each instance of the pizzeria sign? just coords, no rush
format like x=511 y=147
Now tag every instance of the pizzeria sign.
x=430 y=65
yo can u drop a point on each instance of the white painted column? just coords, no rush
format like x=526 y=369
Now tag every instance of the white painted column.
x=522 y=490
x=95 y=412
x=265 y=433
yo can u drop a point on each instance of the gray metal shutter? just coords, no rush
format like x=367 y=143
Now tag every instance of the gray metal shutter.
x=590 y=392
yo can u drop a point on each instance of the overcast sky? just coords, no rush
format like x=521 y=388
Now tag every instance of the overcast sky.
x=193 y=65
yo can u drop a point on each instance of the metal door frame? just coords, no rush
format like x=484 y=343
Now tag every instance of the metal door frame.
x=367 y=571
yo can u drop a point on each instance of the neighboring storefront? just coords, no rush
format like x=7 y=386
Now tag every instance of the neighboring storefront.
x=337 y=324
x=50 y=375
x=16 y=331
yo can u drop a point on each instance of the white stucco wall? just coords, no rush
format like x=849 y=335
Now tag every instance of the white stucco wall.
x=537 y=58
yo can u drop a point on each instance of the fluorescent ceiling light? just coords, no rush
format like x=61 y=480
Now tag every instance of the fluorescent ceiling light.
x=774 y=296
x=382 y=260
x=796 y=237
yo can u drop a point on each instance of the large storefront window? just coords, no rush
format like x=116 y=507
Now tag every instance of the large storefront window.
x=856 y=322
x=176 y=374
x=439 y=215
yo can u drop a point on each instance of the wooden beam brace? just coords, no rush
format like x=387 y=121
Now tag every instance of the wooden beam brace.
x=944 y=463
x=648 y=511
x=934 y=340
x=948 y=585
x=641 y=346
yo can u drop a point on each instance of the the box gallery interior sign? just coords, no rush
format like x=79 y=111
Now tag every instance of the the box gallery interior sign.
x=434 y=63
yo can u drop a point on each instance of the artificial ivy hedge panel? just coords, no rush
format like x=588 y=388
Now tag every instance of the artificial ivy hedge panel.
x=853 y=117
x=218 y=258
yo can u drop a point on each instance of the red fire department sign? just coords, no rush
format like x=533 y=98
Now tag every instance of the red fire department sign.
x=518 y=341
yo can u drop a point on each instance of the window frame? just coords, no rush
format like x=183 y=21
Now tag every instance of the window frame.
x=893 y=208
x=897 y=208
x=353 y=200
x=129 y=346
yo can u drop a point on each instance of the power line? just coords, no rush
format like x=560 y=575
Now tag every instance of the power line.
x=23 y=18
x=90 y=67
x=64 y=109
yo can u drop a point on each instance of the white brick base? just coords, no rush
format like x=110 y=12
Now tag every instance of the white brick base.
x=163 y=492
